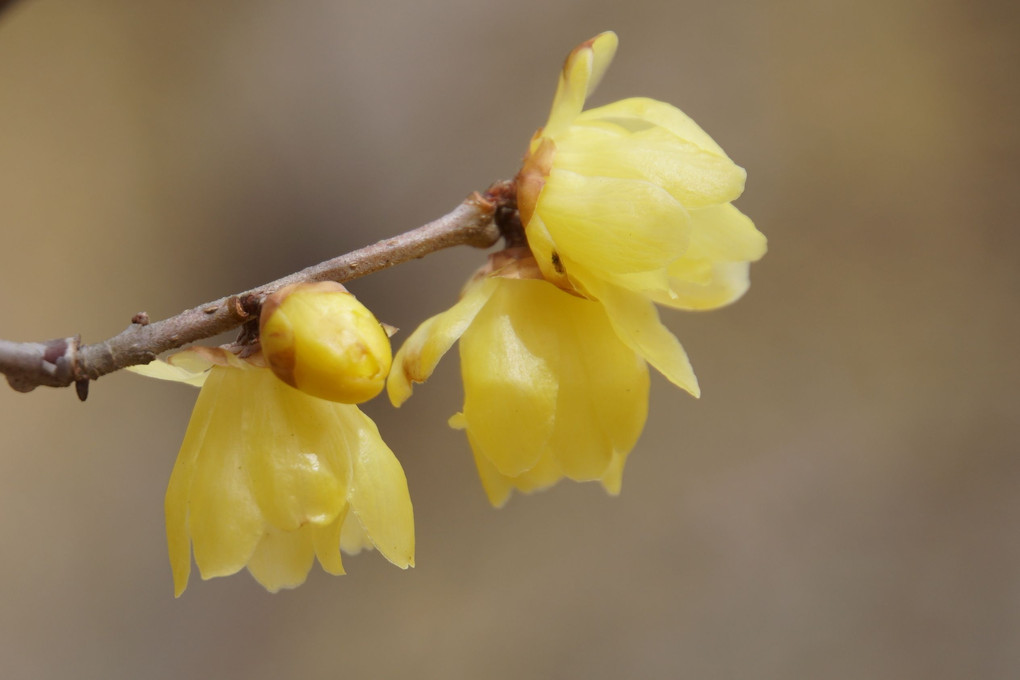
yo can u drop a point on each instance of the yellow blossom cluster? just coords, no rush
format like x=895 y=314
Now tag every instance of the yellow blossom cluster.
x=623 y=207
x=270 y=477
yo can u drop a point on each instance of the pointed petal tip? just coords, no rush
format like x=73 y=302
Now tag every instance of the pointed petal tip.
x=612 y=487
x=603 y=49
x=421 y=352
x=161 y=370
x=181 y=574
x=637 y=323
x=498 y=498
x=398 y=389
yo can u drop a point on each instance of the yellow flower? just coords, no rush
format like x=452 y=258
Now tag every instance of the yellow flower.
x=549 y=389
x=318 y=338
x=270 y=478
x=629 y=204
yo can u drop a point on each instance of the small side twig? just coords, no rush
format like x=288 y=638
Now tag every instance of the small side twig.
x=61 y=362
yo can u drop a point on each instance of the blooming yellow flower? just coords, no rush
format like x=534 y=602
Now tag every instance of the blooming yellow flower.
x=630 y=204
x=270 y=478
x=624 y=206
x=549 y=389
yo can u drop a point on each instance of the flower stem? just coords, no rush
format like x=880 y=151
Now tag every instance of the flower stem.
x=61 y=362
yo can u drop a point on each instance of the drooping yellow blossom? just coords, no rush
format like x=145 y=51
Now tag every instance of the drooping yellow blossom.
x=624 y=206
x=318 y=338
x=269 y=478
x=630 y=204
x=549 y=389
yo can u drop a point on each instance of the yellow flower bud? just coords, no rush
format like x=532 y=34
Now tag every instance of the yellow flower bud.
x=318 y=338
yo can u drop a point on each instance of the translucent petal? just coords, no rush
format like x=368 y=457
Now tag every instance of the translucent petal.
x=421 y=352
x=637 y=112
x=544 y=475
x=571 y=91
x=725 y=283
x=295 y=454
x=457 y=421
x=648 y=283
x=161 y=370
x=603 y=47
x=283 y=558
x=579 y=444
x=612 y=480
x=327 y=544
x=179 y=488
x=497 y=486
x=197 y=359
x=723 y=233
x=691 y=270
x=510 y=388
x=600 y=387
x=223 y=518
x=692 y=175
x=612 y=225
x=618 y=383
x=353 y=538
x=637 y=324
x=603 y=394
x=582 y=71
x=379 y=496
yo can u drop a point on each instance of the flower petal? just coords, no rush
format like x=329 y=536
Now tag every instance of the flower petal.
x=603 y=392
x=327 y=544
x=637 y=112
x=723 y=233
x=612 y=480
x=581 y=74
x=297 y=460
x=353 y=538
x=379 y=495
x=283 y=558
x=510 y=388
x=223 y=518
x=497 y=486
x=612 y=225
x=421 y=352
x=692 y=175
x=724 y=283
x=618 y=383
x=179 y=488
x=161 y=370
x=544 y=475
x=637 y=324
x=603 y=48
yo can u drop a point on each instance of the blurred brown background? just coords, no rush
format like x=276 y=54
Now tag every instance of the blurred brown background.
x=842 y=502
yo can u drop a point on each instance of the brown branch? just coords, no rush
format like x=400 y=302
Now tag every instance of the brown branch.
x=60 y=362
